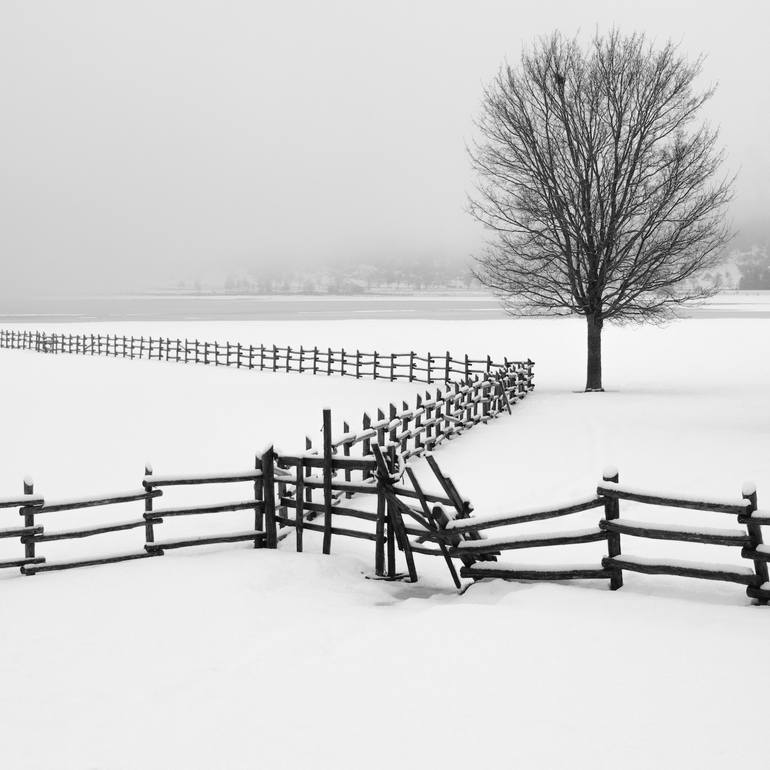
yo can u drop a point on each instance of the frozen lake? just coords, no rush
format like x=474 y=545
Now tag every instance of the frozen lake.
x=164 y=307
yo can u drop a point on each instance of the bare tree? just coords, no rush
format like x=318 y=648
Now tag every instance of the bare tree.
x=603 y=191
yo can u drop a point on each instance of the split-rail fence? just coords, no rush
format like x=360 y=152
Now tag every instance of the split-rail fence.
x=429 y=368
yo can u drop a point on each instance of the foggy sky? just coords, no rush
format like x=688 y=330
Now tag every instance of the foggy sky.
x=146 y=140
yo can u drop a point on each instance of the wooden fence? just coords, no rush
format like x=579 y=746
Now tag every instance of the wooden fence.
x=429 y=368
x=610 y=529
x=311 y=492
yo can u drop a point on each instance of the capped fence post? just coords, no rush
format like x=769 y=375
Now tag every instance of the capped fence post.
x=149 y=532
x=29 y=521
x=749 y=492
x=392 y=428
x=612 y=512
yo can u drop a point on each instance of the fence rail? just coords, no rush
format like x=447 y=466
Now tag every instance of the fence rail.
x=427 y=368
x=610 y=528
x=289 y=494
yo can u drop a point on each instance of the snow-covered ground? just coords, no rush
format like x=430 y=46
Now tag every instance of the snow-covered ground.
x=230 y=657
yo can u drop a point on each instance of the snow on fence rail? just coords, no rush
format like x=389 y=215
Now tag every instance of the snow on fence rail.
x=410 y=366
x=610 y=528
x=311 y=491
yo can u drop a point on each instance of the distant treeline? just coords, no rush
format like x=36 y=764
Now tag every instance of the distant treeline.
x=346 y=278
x=754 y=267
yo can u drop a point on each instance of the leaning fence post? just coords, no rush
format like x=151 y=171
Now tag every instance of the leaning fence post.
x=612 y=512
x=268 y=482
x=379 y=542
x=749 y=492
x=327 y=480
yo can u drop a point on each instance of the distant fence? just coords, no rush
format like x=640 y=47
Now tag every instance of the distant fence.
x=428 y=368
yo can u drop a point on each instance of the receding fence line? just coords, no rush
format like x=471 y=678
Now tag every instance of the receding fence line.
x=409 y=366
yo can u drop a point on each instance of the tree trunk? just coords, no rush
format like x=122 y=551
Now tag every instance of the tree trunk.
x=594 y=361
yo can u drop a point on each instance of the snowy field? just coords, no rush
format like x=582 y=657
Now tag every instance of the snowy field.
x=229 y=657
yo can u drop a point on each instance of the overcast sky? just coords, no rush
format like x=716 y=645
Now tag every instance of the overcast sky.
x=143 y=140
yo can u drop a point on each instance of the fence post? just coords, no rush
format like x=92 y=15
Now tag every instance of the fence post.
x=391 y=428
x=149 y=532
x=404 y=425
x=392 y=371
x=315 y=360
x=612 y=512
x=379 y=542
x=374 y=366
x=448 y=361
x=749 y=492
x=268 y=482
x=411 y=367
x=299 y=509
x=308 y=472
x=259 y=496
x=358 y=364
x=327 y=480
x=29 y=521
x=346 y=453
x=288 y=358
x=329 y=359
x=391 y=524
x=366 y=424
x=381 y=430
x=418 y=445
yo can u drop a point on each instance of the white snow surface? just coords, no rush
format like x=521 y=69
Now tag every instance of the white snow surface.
x=231 y=657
